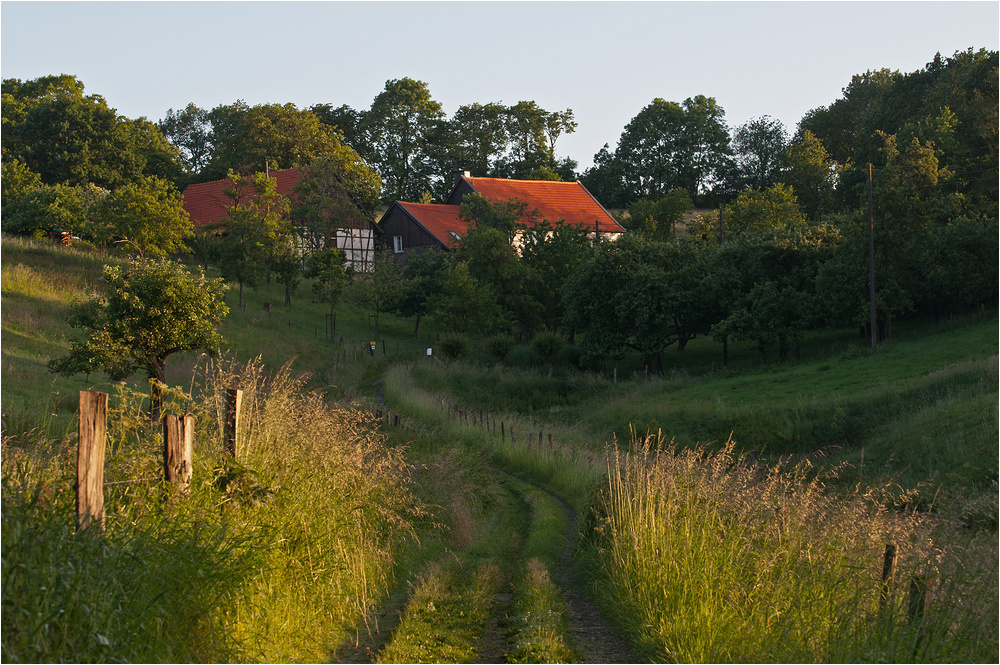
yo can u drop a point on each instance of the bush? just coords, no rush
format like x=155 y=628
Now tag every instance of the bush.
x=523 y=356
x=454 y=345
x=572 y=355
x=547 y=345
x=500 y=345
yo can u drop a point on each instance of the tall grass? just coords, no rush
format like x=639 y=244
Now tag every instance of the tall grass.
x=709 y=557
x=277 y=555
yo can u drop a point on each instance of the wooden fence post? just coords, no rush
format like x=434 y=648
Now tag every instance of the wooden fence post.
x=918 y=598
x=178 y=449
x=234 y=400
x=93 y=429
x=888 y=572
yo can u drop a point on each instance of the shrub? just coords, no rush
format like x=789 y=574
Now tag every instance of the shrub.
x=522 y=356
x=547 y=345
x=454 y=345
x=500 y=345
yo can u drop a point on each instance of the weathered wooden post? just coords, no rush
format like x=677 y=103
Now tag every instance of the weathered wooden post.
x=888 y=572
x=92 y=429
x=918 y=598
x=178 y=449
x=234 y=400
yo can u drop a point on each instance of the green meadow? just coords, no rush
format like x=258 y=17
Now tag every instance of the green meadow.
x=716 y=514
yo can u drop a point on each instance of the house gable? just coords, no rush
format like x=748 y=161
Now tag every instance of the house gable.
x=555 y=200
x=421 y=226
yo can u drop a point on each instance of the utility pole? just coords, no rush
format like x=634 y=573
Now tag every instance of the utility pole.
x=871 y=261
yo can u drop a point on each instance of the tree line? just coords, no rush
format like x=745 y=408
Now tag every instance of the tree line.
x=780 y=245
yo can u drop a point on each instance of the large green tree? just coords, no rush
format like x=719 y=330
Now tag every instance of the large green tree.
x=250 y=139
x=811 y=174
x=759 y=148
x=963 y=87
x=190 y=131
x=666 y=146
x=67 y=137
x=398 y=131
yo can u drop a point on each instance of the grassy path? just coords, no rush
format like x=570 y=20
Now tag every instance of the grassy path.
x=513 y=595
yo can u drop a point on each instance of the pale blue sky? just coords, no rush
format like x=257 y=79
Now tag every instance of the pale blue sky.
x=605 y=60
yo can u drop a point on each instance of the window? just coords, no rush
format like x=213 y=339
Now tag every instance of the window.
x=397 y=244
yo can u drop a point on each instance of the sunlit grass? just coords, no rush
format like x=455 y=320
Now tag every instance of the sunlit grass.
x=711 y=558
x=274 y=556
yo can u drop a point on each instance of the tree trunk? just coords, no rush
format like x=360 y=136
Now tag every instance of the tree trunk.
x=416 y=328
x=156 y=393
x=288 y=295
x=725 y=351
x=762 y=348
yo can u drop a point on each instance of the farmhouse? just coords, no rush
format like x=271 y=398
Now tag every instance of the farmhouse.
x=421 y=227
x=208 y=207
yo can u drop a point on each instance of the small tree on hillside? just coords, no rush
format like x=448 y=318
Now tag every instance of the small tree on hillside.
x=379 y=289
x=326 y=267
x=149 y=311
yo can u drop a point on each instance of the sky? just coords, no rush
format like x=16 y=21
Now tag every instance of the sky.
x=604 y=60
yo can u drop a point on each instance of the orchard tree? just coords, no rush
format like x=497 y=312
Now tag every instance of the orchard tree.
x=335 y=191
x=553 y=252
x=463 y=304
x=257 y=228
x=378 y=290
x=422 y=275
x=16 y=180
x=326 y=268
x=657 y=219
x=757 y=210
x=508 y=216
x=641 y=295
x=149 y=311
x=46 y=207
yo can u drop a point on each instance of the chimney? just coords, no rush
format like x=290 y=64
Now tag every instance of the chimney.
x=462 y=174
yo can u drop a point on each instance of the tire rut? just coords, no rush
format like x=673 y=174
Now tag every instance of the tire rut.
x=593 y=636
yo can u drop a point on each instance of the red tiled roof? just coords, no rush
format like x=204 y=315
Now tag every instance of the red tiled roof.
x=439 y=220
x=206 y=202
x=555 y=200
